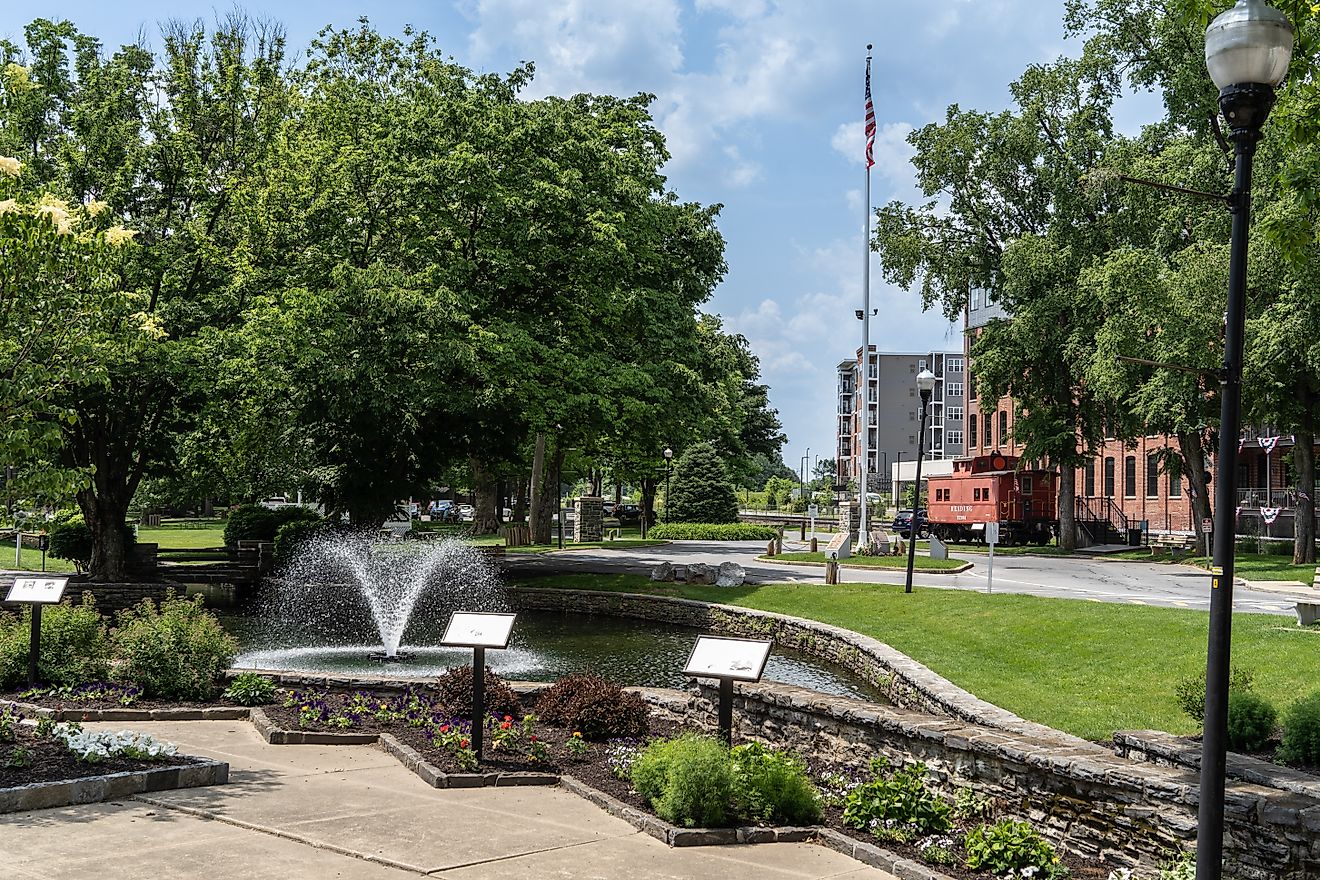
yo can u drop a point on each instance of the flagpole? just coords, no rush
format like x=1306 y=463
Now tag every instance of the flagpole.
x=863 y=532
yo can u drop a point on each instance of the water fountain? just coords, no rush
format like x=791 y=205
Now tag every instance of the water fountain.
x=345 y=599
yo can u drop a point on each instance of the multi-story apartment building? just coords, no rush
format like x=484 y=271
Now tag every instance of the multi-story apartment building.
x=894 y=412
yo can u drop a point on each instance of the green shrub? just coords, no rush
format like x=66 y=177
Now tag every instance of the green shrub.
x=688 y=780
x=176 y=651
x=711 y=532
x=1301 y=732
x=772 y=787
x=75 y=646
x=290 y=536
x=701 y=491
x=250 y=689
x=252 y=522
x=1190 y=691
x=1008 y=846
x=1251 y=721
x=454 y=693
x=900 y=797
x=595 y=706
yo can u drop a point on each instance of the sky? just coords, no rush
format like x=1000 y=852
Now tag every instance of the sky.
x=761 y=103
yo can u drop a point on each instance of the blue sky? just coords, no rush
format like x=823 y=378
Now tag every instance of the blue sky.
x=761 y=103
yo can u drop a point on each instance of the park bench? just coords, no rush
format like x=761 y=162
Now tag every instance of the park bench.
x=1177 y=545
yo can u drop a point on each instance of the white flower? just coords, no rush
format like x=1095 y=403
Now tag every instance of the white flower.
x=8 y=206
x=117 y=236
x=10 y=166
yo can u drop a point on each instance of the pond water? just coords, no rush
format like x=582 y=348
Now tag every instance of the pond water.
x=545 y=646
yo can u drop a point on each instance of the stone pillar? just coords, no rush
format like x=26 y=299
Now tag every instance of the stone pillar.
x=853 y=512
x=588 y=526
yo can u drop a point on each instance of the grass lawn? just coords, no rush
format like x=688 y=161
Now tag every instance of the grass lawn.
x=1088 y=668
x=899 y=562
x=32 y=561
x=185 y=534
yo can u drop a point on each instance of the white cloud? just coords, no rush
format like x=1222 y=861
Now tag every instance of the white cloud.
x=892 y=153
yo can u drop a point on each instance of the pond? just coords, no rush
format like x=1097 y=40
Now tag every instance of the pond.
x=545 y=646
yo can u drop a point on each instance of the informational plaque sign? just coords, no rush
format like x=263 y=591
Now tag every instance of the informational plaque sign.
x=726 y=658
x=468 y=629
x=840 y=546
x=43 y=591
x=813 y=510
x=992 y=533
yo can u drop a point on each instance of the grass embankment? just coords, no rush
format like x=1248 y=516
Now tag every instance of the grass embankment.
x=1087 y=668
x=898 y=562
x=185 y=534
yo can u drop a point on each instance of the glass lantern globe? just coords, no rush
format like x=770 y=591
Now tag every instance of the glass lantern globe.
x=925 y=383
x=1248 y=44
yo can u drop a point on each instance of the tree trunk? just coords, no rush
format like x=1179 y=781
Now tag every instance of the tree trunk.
x=618 y=493
x=519 y=511
x=1192 y=451
x=549 y=491
x=105 y=513
x=540 y=523
x=1304 y=520
x=648 y=503
x=1067 y=507
x=485 y=520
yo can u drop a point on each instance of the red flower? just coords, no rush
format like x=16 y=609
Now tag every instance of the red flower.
x=508 y=717
x=533 y=737
x=462 y=744
x=444 y=728
x=506 y=725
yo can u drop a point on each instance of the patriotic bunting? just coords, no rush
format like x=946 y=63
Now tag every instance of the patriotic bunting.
x=1268 y=444
x=1269 y=514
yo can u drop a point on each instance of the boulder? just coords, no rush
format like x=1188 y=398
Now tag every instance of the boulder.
x=730 y=574
x=700 y=573
x=663 y=572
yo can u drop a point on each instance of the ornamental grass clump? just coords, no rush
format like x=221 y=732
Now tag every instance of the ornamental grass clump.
x=177 y=651
x=687 y=780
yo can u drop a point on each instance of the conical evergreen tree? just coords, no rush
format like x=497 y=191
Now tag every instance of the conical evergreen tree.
x=700 y=490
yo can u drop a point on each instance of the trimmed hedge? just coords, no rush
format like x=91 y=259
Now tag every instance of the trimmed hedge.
x=252 y=522
x=711 y=532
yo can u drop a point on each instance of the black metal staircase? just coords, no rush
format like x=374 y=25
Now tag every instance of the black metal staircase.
x=1103 y=521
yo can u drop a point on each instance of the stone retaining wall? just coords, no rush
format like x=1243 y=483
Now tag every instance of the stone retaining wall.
x=1095 y=803
x=114 y=597
x=1165 y=749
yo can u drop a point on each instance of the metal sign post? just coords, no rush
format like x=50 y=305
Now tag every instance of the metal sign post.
x=813 y=510
x=36 y=592
x=728 y=660
x=991 y=538
x=468 y=629
x=1207 y=527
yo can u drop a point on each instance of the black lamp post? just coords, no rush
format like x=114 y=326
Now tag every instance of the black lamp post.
x=669 y=458
x=925 y=387
x=1247 y=50
x=559 y=485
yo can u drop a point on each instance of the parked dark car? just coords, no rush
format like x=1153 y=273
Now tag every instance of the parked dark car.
x=608 y=509
x=628 y=514
x=903 y=524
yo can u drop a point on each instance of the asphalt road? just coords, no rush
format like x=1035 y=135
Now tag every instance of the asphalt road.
x=1101 y=580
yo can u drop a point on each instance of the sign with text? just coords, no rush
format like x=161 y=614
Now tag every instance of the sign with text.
x=44 y=591
x=1207 y=526
x=840 y=546
x=813 y=510
x=734 y=659
x=469 y=629
x=992 y=533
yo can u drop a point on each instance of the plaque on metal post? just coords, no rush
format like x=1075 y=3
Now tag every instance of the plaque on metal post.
x=736 y=659
x=468 y=629
x=43 y=591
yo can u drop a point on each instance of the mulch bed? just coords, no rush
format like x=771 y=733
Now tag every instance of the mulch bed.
x=49 y=701
x=51 y=761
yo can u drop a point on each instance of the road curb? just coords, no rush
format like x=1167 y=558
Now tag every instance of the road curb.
x=853 y=566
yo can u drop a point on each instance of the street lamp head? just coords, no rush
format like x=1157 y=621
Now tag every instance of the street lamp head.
x=1250 y=44
x=925 y=383
x=669 y=453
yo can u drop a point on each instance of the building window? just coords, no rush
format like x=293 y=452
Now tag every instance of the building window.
x=954 y=389
x=912 y=439
x=953 y=438
x=976 y=494
x=912 y=415
x=921 y=365
x=971 y=389
x=1109 y=476
x=971 y=428
x=953 y=414
x=1026 y=485
x=1175 y=486
x=953 y=365
x=988 y=425
x=1003 y=427
x=1130 y=476
x=1152 y=475
x=1088 y=479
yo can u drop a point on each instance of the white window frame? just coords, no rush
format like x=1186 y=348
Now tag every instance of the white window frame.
x=953 y=437
x=953 y=365
x=953 y=389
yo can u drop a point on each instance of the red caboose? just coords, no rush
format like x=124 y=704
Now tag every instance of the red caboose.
x=990 y=488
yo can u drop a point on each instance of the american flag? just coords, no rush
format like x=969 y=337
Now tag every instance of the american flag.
x=870 y=118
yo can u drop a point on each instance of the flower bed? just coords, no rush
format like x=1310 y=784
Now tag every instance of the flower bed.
x=932 y=834
x=50 y=764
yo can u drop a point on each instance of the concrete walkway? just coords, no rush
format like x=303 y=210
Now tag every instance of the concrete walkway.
x=314 y=812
